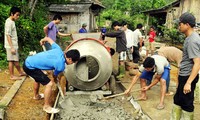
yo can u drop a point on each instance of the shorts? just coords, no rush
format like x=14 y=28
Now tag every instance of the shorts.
x=151 y=46
x=129 y=54
x=186 y=101
x=37 y=75
x=122 y=56
x=10 y=56
x=149 y=75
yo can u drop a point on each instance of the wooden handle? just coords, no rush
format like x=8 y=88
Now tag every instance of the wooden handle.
x=43 y=47
x=60 y=90
x=116 y=95
x=120 y=94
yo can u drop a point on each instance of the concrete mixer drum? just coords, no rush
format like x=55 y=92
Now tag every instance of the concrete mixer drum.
x=94 y=68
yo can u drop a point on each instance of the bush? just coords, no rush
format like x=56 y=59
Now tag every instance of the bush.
x=29 y=31
x=173 y=35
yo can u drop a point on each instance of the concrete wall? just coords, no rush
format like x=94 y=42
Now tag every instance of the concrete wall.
x=72 y=22
x=190 y=6
x=172 y=14
x=185 y=6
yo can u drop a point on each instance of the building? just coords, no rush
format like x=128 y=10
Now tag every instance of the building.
x=171 y=12
x=75 y=13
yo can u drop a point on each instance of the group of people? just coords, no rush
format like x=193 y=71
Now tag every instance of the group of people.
x=157 y=64
x=128 y=44
x=188 y=63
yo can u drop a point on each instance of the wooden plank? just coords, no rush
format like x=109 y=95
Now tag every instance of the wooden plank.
x=11 y=93
x=2 y=111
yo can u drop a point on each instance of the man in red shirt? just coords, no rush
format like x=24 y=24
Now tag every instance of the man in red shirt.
x=152 y=35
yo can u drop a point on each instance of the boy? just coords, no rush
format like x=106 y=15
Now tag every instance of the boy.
x=152 y=35
x=11 y=43
x=34 y=65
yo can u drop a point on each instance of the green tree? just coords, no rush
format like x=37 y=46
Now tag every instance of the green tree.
x=129 y=10
x=29 y=31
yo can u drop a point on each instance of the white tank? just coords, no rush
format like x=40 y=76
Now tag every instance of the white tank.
x=93 y=69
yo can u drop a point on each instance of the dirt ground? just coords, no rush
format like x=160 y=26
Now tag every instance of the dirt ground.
x=23 y=107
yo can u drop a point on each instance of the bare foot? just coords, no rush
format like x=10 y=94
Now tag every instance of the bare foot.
x=141 y=98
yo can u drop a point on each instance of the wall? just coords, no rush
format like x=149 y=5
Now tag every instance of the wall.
x=172 y=15
x=190 y=6
x=72 y=22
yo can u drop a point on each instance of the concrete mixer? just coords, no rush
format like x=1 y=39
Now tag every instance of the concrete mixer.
x=94 y=68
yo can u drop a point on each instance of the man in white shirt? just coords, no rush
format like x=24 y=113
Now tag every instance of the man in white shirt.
x=137 y=45
x=154 y=64
x=11 y=43
x=129 y=39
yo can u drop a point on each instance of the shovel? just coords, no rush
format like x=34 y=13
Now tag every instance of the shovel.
x=65 y=102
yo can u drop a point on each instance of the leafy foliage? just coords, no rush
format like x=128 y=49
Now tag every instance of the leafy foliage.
x=173 y=35
x=129 y=10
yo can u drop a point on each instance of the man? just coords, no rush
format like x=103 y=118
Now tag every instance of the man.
x=189 y=68
x=129 y=39
x=51 y=30
x=53 y=59
x=138 y=40
x=120 y=46
x=11 y=43
x=83 y=29
x=172 y=54
x=151 y=65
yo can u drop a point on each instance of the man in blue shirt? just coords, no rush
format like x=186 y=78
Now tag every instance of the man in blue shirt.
x=83 y=29
x=53 y=59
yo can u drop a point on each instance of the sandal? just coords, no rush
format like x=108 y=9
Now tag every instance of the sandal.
x=141 y=99
x=169 y=93
x=40 y=96
x=160 y=107
x=22 y=74
x=51 y=110
x=15 y=78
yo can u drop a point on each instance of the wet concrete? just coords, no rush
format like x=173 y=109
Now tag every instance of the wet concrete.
x=85 y=109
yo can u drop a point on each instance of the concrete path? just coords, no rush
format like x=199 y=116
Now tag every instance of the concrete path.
x=149 y=106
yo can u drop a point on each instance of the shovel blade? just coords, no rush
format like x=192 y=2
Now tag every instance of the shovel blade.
x=65 y=103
